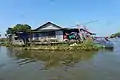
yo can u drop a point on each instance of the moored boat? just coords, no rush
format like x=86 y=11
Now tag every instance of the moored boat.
x=104 y=42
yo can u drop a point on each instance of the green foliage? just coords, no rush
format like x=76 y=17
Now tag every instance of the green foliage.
x=116 y=34
x=87 y=45
x=9 y=31
x=88 y=42
x=19 y=27
x=3 y=39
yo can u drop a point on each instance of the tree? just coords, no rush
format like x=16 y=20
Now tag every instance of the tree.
x=25 y=28
x=116 y=34
x=9 y=31
x=21 y=27
x=18 y=28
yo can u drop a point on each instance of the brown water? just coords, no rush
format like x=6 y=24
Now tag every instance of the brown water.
x=17 y=64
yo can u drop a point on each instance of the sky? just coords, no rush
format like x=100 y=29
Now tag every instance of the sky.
x=66 y=13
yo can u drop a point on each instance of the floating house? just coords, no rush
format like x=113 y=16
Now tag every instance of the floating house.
x=50 y=32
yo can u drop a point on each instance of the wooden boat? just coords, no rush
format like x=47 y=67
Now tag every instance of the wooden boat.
x=104 y=42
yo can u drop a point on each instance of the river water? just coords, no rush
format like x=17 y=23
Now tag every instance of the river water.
x=17 y=64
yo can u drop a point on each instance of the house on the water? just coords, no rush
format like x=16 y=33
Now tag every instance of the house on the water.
x=50 y=32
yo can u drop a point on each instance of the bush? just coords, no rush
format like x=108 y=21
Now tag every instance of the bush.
x=88 y=42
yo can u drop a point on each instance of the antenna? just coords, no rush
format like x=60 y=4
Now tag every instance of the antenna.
x=90 y=22
x=83 y=24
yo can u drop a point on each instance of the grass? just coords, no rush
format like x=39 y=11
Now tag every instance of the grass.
x=87 y=45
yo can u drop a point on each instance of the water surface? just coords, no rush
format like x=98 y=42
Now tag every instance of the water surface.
x=17 y=64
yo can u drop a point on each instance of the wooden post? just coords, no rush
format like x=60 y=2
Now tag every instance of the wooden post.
x=30 y=37
x=81 y=37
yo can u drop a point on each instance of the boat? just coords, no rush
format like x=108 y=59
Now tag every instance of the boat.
x=105 y=42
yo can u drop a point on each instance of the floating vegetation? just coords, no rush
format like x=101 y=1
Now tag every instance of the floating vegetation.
x=87 y=45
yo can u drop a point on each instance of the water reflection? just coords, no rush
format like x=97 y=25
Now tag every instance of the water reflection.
x=52 y=59
x=18 y=64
